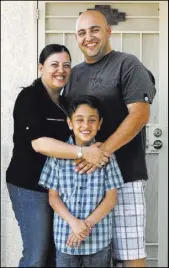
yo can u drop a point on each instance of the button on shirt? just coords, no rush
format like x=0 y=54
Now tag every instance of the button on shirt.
x=81 y=194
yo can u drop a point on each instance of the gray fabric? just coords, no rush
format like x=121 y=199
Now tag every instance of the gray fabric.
x=117 y=79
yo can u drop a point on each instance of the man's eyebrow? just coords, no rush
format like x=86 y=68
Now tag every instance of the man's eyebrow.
x=92 y=27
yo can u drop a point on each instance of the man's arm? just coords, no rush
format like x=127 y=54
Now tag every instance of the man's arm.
x=79 y=227
x=137 y=118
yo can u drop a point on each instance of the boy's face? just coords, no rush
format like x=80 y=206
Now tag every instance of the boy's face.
x=85 y=123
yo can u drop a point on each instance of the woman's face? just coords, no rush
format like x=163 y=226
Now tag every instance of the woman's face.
x=56 y=70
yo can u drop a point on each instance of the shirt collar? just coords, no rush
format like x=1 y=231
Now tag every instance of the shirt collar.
x=71 y=140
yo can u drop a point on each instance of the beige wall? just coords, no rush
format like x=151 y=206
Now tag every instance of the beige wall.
x=18 y=68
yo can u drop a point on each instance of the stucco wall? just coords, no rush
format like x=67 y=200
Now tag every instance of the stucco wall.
x=18 y=68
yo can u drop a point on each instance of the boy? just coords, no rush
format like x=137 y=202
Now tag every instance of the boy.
x=82 y=202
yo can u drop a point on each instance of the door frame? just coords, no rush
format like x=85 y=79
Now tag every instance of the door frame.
x=163 y=154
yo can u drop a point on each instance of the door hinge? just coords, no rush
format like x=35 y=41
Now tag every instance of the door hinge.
x=37 y=13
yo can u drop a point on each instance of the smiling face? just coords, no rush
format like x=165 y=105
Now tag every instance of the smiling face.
x=56 y=70
x=85 y=123
x=92 y=34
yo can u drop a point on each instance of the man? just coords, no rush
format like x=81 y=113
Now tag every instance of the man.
x=126 y=89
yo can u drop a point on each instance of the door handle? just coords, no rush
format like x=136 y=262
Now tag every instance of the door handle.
x=157 y=144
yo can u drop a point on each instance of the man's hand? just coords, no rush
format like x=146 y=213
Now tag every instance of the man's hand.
x=95 y=156
x=84 y=166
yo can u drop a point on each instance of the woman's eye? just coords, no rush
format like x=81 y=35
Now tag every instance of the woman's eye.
x=54 y=65
x=67 y=66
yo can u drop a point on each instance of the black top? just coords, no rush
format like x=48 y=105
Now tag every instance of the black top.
x=117 y=79
x=35 y=115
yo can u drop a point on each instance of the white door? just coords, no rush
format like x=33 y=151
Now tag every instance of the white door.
x=143 y=34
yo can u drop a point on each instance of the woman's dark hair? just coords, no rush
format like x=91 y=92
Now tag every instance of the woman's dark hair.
x=92 y=101
x=52 y=49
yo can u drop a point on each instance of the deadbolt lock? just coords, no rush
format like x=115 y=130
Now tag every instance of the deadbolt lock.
x=157 y=132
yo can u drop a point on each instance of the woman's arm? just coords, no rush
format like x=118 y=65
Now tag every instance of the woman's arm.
x=58 y=149
x=29 y=118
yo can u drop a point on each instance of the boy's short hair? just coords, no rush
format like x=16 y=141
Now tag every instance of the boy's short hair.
x=92 y=101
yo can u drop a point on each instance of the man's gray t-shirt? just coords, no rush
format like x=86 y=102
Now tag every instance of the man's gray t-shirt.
x=117 y=79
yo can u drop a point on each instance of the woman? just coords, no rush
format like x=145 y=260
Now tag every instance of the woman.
x=40 y=130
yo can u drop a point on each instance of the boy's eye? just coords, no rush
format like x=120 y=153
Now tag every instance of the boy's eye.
x=92 y=120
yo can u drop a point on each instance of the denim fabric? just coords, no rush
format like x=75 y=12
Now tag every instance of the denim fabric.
x=35 y=217
x=99 y=259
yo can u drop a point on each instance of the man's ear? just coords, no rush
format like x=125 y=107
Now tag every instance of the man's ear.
x=100 y=123
x=76 y=36
x=69 y=123
x=109 y=30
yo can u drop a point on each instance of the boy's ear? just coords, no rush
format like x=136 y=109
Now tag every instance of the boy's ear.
x=100 y=123
x=69 y=123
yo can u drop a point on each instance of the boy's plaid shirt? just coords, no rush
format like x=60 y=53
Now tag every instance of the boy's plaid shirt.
x=81 y=193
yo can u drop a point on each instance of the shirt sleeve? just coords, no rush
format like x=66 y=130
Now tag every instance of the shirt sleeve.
x=49 y=177
x=137 y=83
x=28 y=116
x=113 y=176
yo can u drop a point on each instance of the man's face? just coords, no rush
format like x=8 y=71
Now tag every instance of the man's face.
x=85 y=124
x=92 y=34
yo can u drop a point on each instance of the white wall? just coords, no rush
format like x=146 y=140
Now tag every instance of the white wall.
x=18 y=68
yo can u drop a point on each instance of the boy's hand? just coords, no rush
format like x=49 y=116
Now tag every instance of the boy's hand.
x=73 y=241
x=80 y=228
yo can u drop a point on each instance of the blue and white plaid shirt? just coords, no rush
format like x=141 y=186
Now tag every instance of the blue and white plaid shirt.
x=81 y=193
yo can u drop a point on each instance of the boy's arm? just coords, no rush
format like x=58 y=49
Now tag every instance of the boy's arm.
x=97 y=215
x=113 y=181
x=107 y=204
x=79 y=227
